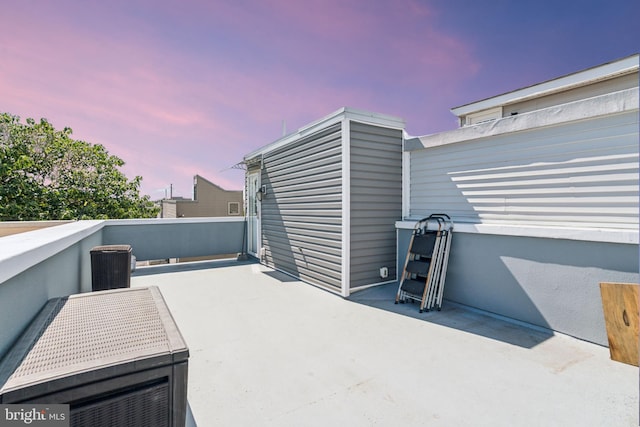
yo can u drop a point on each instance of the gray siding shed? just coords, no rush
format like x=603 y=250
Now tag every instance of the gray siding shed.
x=302 y=212
x=333 y=195
x=376 y=201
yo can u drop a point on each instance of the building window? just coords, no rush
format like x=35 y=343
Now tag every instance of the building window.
x=483 y=116
x=233 y=208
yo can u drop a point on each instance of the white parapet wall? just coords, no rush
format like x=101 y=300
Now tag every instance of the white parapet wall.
x=542 y=276
x=38 y=265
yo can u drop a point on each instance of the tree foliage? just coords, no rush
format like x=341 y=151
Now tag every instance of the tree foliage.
x=45 y=174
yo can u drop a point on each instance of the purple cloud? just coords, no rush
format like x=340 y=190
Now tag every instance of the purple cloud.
x=179 y=88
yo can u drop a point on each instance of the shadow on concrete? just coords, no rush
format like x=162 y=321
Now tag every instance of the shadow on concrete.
x=280 y=276
x=457 y=316
x=208 y=265
x=452 y=315
x=190 y=266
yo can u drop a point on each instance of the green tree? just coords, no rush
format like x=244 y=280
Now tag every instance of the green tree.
x=45 y=174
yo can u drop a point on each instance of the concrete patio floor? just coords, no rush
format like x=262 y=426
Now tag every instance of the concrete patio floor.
x=268 y=350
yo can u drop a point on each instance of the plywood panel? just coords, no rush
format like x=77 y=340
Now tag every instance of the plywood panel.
x=620 y=305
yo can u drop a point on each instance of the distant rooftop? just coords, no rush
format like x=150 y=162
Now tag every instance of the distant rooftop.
x=591 y=75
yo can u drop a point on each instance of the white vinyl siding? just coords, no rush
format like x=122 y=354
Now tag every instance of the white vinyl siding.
x=578 y=174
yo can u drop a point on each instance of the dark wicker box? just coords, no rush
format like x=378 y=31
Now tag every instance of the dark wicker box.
x=116 y=357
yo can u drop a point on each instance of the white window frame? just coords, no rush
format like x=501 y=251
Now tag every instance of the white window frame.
x=229 y=212
x=483 y=116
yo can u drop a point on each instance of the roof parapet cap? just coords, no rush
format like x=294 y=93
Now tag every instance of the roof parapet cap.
x=591 y=75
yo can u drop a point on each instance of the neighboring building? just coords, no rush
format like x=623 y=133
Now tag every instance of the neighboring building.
x=541 y=182
x=7 y=228
x=562 y=153
x=209 y=200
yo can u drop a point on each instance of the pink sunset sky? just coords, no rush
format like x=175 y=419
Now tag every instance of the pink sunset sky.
x=178 y=88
